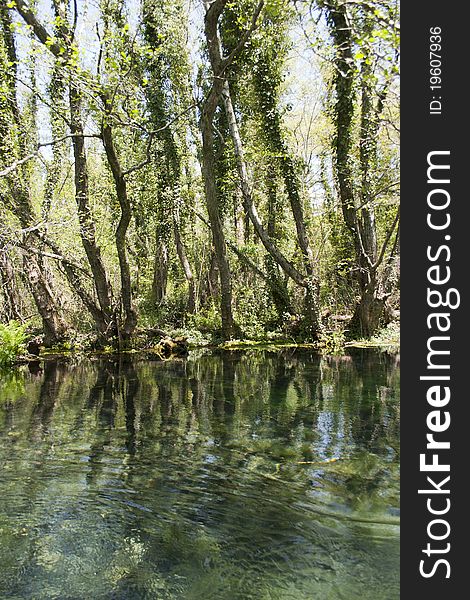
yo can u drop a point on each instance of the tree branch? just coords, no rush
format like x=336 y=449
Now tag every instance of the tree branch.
x=34 y=154
x=151 y=135
x=234 y=249
x=40 y=31
x=386 y=241
x=229 y=59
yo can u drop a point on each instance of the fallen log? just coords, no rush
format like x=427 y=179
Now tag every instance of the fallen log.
x=168 y=346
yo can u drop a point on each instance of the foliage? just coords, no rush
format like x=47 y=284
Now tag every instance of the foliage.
x=332 y=343
x=388 y=335
x=207 y=320
x=103 y=235
x=12 y=385
x=12 y=342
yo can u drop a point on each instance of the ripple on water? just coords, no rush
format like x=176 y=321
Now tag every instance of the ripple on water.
x=173 y=482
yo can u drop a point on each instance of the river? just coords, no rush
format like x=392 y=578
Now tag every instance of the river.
x=242 y=475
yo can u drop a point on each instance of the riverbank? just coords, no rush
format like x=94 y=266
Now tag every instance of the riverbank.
x=178 y=343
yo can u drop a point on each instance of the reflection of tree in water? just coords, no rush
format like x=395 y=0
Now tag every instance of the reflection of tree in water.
x=200 y=408
x=214 y=465
x=365 y=385
x=115 y=388
x=52 y=382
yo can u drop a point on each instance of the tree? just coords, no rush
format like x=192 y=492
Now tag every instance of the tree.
x=14 y=191
x=168 y=95
x=266 y=61
x=153 y=176
x=354 y=30
x=64 y=52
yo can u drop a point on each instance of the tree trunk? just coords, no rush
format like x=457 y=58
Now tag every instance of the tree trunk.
x=368 y=312
x=370 y=307
x=130 y=313
x=55 y=328
x=188 y=273
x=12 y=300
x=213 y=12
x=218 y=237
x=268 y=99
x=54 y=325
x=213 y=279
x=310 y=283
x=72 y=272
x=278 y=289
x=57 y=89
x=277 y=286
x=13 y=143
x=250 y=208
x=160 y=270
x=312 y=320
x=87 y=225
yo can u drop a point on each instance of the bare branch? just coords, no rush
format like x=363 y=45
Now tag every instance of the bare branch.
x=151 y=135
x=34 y=154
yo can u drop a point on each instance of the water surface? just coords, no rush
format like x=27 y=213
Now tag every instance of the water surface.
x=230 y=476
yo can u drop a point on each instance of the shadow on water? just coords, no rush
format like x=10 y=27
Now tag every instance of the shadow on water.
x=240 y=475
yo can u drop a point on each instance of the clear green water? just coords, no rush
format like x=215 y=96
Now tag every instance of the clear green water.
x=211 y=478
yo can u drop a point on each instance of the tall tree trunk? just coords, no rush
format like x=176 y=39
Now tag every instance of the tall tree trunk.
x=369 y=310
x=213 y=12
x=390 y=274
x=188 y=273
x=312 y=290
x=221 y=87
x=310 y=283
x=250 y=208
x=267 y=90
x=17 y=198
x=218 y=237
x=87 y=227
x=160 y=269
x=101 y=313
x=130 y=314
x=87 y=224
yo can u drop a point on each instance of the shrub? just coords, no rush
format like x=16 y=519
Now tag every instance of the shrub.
x=12 y=342
x=207 y=320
